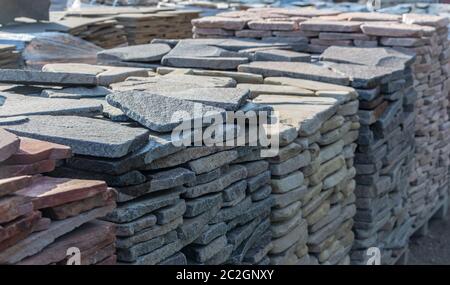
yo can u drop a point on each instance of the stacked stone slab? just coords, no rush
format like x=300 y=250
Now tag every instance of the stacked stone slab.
x=313 y=175
x=141 y=24
x=176 y=204
x=426 y=36
x=9 y=57
x=41 y=217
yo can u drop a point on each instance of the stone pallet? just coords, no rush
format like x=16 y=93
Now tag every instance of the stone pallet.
x=41 y=215
x=424 y=35
x=136 y=25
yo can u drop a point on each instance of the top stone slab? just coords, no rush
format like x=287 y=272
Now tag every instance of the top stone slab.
x=138 y=53
x=86 y=136
x=32 y=77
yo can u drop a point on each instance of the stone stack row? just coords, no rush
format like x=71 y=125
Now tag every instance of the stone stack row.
x=143 y=28
x=313 y=174
x=42 y=217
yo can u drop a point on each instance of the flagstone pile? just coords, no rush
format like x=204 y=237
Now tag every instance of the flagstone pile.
x=138 y=25
x=42 y=217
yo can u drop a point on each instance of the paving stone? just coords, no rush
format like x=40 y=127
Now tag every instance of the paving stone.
x=76 y=92
x=10 y=185
x=258 y=89
x=282 y=55
x=38 y=241
x=283 y=243
x=261 y=193
x=134 y=209
x=148 y=234
x=169 y=213
x=49 y=192
x=42 y=106
x=292 y=164
x=130 y=228
x=282 y=200
x=287 y=183
x=9 y=145
x=136 y=53
x=235 y=173
x=133 y=104
x=331 y=26
x=213 y=161
x=285 y=213
x=170 y=178
x=176 y=259
x=281 y=229
x=33 y=77
x=85 y=136
x=202 y=253
x=253 y=183
x=230 y=213
x=392 y=29
x=210 y=233
x=294 y=70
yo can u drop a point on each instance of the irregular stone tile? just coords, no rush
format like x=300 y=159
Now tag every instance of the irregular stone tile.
x=168 y=214
x=137 y=53
x=210 y=233
x=33 y=77
x=282 y=55
x=85 y=136
x=294 y=70
x=10 y=185
x=38 y=241
x=195 y=207
x=76 y=92
x=392 y=29
x=136 y=106
x=170 y=178
x=9 y=145
x=201 y=253
x=213 y=161
x=331 y=26
x=17 y=230
x=258 y=89
x=40 y=167
x=32 y=151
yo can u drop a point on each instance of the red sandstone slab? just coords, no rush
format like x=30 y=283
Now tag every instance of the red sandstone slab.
x=27 y=169
x=36 y=242
x=17 y=230
x=9 y=144
x=12 y=207
x=10 y=185
x=42 y=225
x=49 y=192
x=389 y=29
x=74 y=208
x=88 y=236
x=369 y=17
x=32 y=151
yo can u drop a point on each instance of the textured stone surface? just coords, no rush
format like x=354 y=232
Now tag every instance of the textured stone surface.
x=137 y=53
x=84 y=135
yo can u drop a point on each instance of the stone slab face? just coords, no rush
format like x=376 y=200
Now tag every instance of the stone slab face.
x=137 y=53
x=136 y=105
x=84 y=135
x=31 y=77
x=9 y=145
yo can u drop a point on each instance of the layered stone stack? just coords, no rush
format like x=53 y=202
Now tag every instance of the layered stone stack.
x=42 y=217
x=104 y=32
x=9 y=56
x=143 y=28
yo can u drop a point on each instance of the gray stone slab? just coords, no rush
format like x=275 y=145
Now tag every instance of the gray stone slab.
x=85 y=136
x=195 y=207
x=33 y=77
x=282 y=55
x=76 y=92
x=169 y=213
x=171 y=112
x=211 y=232
x=170 y=178
x=295 y=70
x=137 y=53
x=213 y=161
x=384 y=57
x=218 y=63
x=28 y=105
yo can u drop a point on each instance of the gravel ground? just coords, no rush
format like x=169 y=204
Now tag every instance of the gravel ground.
x=433 y=248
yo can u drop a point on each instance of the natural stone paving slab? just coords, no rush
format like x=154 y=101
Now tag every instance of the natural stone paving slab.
x=76 y=92
x=139 y=107
x=295 y=70
x=46 y=78
x=85 y=136
x=137 y=53
x=230 y=99
x=49 y=192
x=10 y=185
x=331 y=26
x=38 y=241
x=9 y=144
x=366 y=56
x=219 y=22
x=27 y=105
x=281 y=55
x=392 y=29
x=221 y=63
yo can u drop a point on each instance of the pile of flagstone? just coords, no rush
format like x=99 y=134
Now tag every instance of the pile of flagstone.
x=138 y=25
x=42 y=217
x=104 y=32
